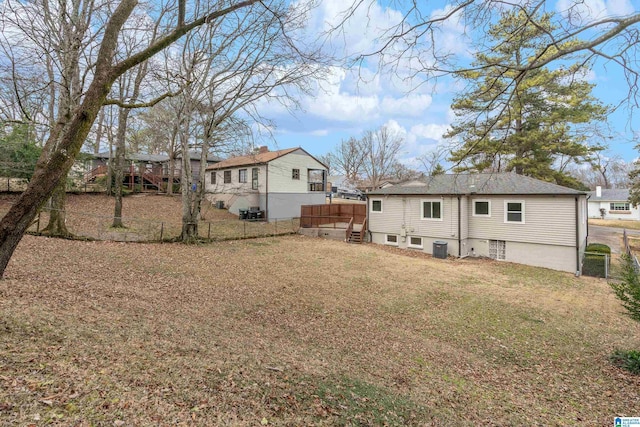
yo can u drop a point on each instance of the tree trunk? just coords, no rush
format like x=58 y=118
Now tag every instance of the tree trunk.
x=123 y=115
x=57 y=216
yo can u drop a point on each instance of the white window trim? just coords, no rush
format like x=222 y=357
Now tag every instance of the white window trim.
x=506 y=202
x=387 y=242
x=422 y=201
x=381 y=206
x=474 y=207
x=410 y=245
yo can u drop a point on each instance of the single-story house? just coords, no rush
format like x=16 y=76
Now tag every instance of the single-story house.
x=276 y=182
x=503 y=216
x=611 y=204
x=147 y=170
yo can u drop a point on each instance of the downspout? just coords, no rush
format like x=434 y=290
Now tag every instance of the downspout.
x=578 y=269
x=266 y=197
x=586 y=201
x=459 y=229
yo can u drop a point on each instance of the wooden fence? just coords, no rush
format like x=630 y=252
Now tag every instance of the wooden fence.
x=312 y=216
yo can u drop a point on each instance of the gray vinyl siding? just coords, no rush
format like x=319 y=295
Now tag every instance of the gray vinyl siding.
x=287 y=205
x=547 y=220
x=401 y=216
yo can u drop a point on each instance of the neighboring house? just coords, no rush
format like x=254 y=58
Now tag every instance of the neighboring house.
x=276 y=182
x=502 y=216
x=611 y=204
x=148 y=170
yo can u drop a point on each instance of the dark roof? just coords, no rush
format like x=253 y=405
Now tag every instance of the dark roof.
x=138 y=157
x=142 y=157
x=482 y=184
x=613 y=195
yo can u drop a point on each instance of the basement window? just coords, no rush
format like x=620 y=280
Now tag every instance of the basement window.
x=415 y=242
x=391 y=239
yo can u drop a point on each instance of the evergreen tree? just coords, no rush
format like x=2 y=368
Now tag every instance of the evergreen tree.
x=536 y=129
x=18 y=151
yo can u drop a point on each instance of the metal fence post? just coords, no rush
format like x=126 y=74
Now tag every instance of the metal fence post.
x=275 y=228
x=161 y=231
x=606 y=266
x=209 y=231
x=244 y=228
x=38 y=223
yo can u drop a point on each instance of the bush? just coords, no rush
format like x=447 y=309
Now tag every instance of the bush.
x=599 y=248
x=628 y=290
x=627 y=359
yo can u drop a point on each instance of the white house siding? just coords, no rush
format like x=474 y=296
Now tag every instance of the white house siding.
x=562 y=258
x=595 y=205
x=401 y=216
x=547 y=219
x=287 y=205
x=547 y=238
x=281 y=173
x=237 y=195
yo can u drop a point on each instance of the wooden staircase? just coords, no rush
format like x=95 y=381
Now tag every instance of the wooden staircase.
x=355 y=232
x=355 y=237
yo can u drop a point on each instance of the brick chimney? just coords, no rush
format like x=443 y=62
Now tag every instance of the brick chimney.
x=263 y=149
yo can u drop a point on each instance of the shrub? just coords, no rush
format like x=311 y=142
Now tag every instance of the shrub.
x=628 y=290
x=627 y=359
x=600 y=248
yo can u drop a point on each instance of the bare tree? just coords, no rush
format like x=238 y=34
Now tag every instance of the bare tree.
x=348 y=159
x=380 y=148
x=67 y=137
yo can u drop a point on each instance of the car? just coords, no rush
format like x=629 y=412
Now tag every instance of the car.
x=353 y=195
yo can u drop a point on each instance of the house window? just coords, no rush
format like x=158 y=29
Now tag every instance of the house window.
x=432 y=209
x=295 y=174
x=213 y=177
x=376 y=205
x=415 y=242
x=391 y=239
x=481 y=208
x=513 y=211
x=316 y=179
x=242 y=175
x=227 y=177
x=254 y=178
x=619 y=206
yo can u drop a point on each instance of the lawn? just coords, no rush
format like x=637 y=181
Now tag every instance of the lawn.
x=301 y=331
x=629 y=224
x=150 y=217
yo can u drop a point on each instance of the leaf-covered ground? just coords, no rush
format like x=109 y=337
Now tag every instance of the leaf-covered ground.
x=302 y=331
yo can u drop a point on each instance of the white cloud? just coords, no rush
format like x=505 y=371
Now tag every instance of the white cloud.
x=429 y=131
x=589 y=10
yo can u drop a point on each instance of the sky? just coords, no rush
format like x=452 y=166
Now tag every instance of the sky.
x=352 y=101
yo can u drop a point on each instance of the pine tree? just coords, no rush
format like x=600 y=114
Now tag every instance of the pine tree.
x=535 y=130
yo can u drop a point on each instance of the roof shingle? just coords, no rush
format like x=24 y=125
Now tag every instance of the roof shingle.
x=252 y=159
x=482 y=183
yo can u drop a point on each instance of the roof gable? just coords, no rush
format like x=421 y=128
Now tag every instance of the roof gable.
x=257 y=159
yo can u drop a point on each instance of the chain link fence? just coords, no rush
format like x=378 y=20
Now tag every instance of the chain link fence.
x=97 y=227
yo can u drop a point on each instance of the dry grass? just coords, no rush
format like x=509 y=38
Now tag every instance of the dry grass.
x=301 y=331
x=629 y=224
x=150 y=217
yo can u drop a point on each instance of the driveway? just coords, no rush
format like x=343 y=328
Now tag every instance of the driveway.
x=610 y=236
